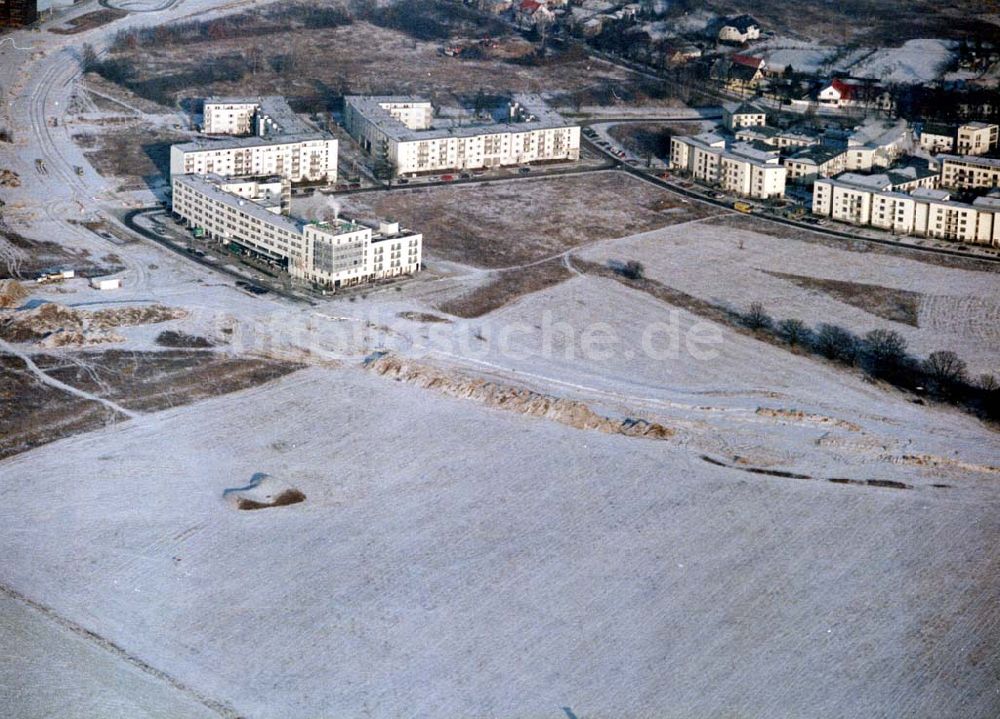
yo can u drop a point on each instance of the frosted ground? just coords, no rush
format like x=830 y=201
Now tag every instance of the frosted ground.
x=915 y=61
x=454 y=559
x=958 y=309
x=559 y=568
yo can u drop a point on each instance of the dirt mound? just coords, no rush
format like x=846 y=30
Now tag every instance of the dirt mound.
x=9 y=178
x=129 y=316
x=514 y=399
x=60 y=326
x=797 y=415
x=263 y=492
x=76 y=338
x=173 y=338
x=11 y=293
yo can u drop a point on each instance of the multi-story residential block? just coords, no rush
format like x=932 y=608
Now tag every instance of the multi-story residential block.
x=331 y=254
x=807 y=165
x=297 y=158
x=403 y=132
x=264 y=138
x=738 y=168
x=936 y=137
x=775 y=137
x=263 y=116
x=968 y=172
x=745 y=115
x=977 y=138
x=923 y=212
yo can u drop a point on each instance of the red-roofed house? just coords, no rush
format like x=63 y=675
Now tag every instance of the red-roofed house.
x=836 y=94
x=757 y=63
x=531 y=12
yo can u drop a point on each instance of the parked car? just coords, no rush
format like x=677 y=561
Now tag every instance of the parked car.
x=524 y=170
x=447 y=178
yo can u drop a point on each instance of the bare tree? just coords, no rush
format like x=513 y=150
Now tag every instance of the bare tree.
x=835 y=342
x=885 y=349
x=756 y=318
x=88 y=57
x=945 y=367
x=631 y=269
x=988 y=383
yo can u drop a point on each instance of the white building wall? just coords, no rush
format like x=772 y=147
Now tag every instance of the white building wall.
x=314 y=253
x=229 y=118
x=305 y=160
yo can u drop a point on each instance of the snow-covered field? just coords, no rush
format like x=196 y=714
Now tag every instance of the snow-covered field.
x=915 y=62
x=958 y=309
x=555 y=568
x=803 y=56
x=452 y=559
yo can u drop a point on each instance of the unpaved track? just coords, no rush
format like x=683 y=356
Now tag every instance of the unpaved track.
x=52 y=382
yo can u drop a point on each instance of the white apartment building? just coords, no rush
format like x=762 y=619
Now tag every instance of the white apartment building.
x=265 y=138
x=775 y=137
x=332 y=254
x=263 y=116
x=924 y=212
x=744 y=115
x=814 y=162
x=968 y=172
x=977 y=138
x=935 y=137
x=296 y=158
x=737 y=168
x=404 y=132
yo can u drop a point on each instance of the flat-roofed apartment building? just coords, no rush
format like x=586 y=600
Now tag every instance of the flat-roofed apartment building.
x=737 y=168
x=331 y=254
x=976 y=138
x=264 y=137
x=924 y=212
x=267 y=115
x=968 y=172
x=297 y=158
x=404 y=132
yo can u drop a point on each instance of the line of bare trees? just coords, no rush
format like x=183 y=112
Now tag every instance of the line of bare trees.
x=883 y=354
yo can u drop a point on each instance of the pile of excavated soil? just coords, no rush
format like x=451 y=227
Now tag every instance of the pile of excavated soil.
x=55 y=325
x=514 y=399
x=263 y=492
x=12 y=293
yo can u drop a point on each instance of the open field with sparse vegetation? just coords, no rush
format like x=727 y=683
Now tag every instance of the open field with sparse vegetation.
x=33 y=413
x=505 y=224
x=315 y=54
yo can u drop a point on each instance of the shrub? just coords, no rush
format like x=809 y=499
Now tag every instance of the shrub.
x=835 y=342
x=793 y=331
x=756 y=318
